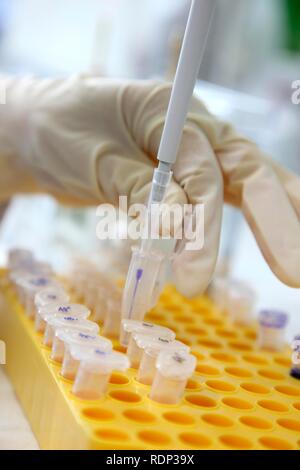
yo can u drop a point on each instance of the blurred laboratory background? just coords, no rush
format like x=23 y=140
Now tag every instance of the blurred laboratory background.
x=251 y=60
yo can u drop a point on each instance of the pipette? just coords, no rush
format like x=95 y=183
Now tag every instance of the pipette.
x=147 y=263
x=173 y=369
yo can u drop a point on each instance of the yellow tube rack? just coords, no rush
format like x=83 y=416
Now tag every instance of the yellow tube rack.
x=238 y=398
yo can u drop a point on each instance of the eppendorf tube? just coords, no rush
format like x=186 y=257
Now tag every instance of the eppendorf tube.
x=173 y=369
x=49 y=296
x=295 y=369
x=152 y=347
x=77 y=310
x=94 y=371
x=141 y=283
x=128 y=327
x=69 y=319
x=74 y=339
x=29 y=286
x=112 y=320
x=134 y=328
x=240 y=303
x=271 y=332
x=59 y=322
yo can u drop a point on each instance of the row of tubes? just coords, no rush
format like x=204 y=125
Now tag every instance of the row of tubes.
x=86 y=358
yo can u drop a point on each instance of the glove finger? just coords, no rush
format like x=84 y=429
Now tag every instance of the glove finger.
x=291 y=183
x=197 y=172
x=119 y=175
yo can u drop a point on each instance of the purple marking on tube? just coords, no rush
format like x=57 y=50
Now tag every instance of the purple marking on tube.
x=84 y=336
x=41 y=281
x=71 y=318
x=273 y=319
x=64 y=309
x=139 y=273
x=52 y=296
x=100 y=352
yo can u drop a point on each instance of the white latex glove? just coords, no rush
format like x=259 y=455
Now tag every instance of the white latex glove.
x=90 y=140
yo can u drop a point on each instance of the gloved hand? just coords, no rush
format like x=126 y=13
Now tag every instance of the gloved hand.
x=90 y=140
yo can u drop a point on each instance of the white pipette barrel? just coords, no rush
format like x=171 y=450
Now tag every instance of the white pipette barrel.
x=144 y=269
x=190 y=58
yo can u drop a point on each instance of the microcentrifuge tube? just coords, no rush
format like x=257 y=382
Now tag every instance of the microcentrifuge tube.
x=82 y=339
x=271 y=332
x=76 y=310
x=112 y=320
x=94 y=371
x=48 y=296
x=59 y=322
x=173 y=369
x=29 y=286
x=133 y=328
x=240 y=303
x=151 y=349
x=295 y=370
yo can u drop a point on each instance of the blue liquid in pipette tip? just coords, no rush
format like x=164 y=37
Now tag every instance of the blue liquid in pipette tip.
x=139 y=273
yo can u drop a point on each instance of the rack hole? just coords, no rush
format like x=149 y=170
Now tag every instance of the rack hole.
x=226 y=333
x=202 y=401
x=213 y=321
x=272 y=405
x=273 y=443
x=239 y=346
x=139 y=416
x=255 y=359
x=207 y=343
x=155 y=317
x=217 y=420
x=238 y=372
x=290 y=424
x=98 y=414
x=118 y=379
x=237 y=403
x=270 y=374
x=297 y=406
x=154 y=438
x=236 y=442
x=288 y=390
x=195 y=439
x=257 y=423
x=223 y=357
x=207 y=370
x=199 y=356
x=111 y=435
x=125 y=396
x=184 y=319
x=220 y=385
x=192 y=385
x=120 y=348
x=282 y=361
x=255 y=388
x=196 y=331
x=179 y=418
x=251 y=335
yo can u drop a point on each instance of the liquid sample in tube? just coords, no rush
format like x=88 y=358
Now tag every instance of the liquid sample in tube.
x=173 y=369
